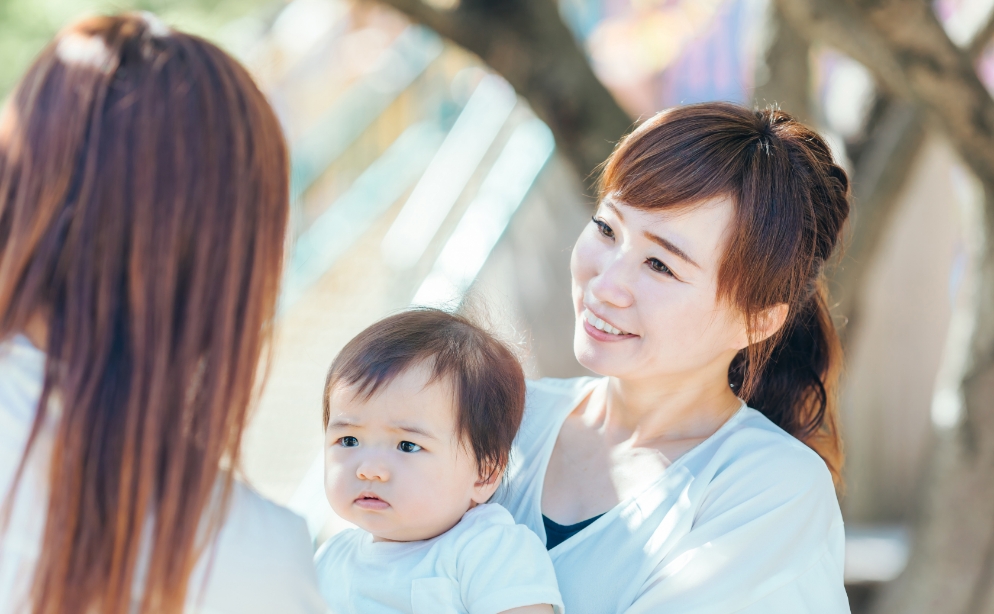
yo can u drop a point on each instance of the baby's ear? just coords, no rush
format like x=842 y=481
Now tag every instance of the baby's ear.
x=486 y=486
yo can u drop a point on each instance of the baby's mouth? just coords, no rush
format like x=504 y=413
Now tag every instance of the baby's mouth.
x=370 y=501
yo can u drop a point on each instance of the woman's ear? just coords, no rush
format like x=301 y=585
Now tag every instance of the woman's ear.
x=486 y=486
x=767 y=322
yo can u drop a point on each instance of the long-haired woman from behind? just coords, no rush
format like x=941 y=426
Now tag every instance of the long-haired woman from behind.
x=143 y=205
x=697 y=474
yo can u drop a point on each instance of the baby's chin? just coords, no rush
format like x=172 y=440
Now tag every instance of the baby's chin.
x=397 y=530
x=402 y=534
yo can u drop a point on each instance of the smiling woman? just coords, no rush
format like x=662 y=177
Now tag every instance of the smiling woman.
x=697 y=474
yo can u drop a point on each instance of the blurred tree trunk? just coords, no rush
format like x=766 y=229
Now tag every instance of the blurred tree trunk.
x=527 y=42
x=788 y=80
x=880 y=170
x=952 y=564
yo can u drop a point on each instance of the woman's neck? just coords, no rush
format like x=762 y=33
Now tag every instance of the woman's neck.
x=661 y=409
x=36 y=331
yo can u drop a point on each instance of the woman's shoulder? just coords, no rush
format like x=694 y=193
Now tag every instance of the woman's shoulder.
x=758 y=440
x=250 y=511
x=753 y=457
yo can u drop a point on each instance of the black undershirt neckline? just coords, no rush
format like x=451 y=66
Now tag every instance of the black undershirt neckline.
x=556 y=533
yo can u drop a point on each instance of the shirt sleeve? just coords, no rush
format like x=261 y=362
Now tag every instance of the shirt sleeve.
x=768 y=540
x=505 y=566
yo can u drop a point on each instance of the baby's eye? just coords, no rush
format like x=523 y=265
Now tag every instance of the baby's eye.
x=348 y=441
x=407 y=446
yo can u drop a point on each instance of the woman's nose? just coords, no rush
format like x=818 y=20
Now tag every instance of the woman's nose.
x=372 y=470
x=611 y=285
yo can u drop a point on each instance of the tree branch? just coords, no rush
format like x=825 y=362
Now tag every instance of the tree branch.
x=937 y=74
x=982 y=37
x=527 y=42
x=836 y=23
x=905 y=46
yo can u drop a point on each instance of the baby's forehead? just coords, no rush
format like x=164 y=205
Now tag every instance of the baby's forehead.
x=409 y=399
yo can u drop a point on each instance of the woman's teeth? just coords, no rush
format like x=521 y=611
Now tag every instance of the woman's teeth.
x=600 y=324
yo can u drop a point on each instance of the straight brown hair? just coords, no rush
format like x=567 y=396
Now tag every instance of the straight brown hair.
x=791 y=201
x=143 y=206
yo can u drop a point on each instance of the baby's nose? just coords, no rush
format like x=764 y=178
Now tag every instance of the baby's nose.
x=373 y=471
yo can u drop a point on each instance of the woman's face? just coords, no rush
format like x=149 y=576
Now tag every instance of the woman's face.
x=645 y=292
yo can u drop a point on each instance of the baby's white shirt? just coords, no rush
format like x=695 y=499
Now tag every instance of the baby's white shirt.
x=484 y=565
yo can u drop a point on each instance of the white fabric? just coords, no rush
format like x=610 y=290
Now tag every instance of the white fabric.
x=748 y=521
x=484 y=565
x=261 y=557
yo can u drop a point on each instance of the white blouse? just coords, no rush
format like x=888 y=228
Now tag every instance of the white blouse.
x=748 y=521
x=261 y=557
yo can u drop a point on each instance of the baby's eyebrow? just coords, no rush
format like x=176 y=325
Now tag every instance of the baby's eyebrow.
x=341 y=423
x=413 y=429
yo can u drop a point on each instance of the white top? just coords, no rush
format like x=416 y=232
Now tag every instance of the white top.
x=262 y=555
x=747 y=522
x=484 y=565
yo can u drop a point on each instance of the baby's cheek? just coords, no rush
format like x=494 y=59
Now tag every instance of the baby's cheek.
x=335 y=483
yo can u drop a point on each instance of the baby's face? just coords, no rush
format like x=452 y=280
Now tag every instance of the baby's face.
x=394 y=464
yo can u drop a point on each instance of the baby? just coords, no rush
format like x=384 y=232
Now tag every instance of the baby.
x=420 y=410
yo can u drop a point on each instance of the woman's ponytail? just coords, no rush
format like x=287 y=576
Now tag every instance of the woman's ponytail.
x=796 y=388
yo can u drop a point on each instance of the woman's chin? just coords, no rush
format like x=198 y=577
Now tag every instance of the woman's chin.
x=600 y=360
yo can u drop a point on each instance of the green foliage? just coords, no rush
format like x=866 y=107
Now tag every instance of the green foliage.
x=27 y=25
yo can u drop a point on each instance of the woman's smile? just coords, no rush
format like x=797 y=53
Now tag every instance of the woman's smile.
x=602 y=330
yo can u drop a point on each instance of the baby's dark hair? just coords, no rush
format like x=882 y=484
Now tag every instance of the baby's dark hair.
x=487 y=379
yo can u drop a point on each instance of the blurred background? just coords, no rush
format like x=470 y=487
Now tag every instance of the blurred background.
x=444 y=149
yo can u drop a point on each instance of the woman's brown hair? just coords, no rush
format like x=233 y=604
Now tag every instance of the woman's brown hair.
x=143 y=205
x=791 y=201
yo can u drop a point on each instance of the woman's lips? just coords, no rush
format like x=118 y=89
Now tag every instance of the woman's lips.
x=370 y=502
x=603 y=336
x=593 y=325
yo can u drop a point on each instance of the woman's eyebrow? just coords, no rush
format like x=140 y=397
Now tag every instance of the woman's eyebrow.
x=664 y=243
x=610 y=205
x=670 y=247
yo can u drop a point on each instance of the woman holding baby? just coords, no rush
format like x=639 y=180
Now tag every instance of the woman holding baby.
x=696 y=475
x=678 y=481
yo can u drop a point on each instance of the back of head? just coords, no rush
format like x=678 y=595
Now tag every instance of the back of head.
x=143 y=205
x=791 y=202
x=487 y=379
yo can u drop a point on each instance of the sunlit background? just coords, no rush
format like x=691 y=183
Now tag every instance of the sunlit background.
x=419 y=175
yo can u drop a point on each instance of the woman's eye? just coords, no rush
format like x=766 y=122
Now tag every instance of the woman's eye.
x=604 y=228
x=659 y=267
x=348 y=442
x=407 y=446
